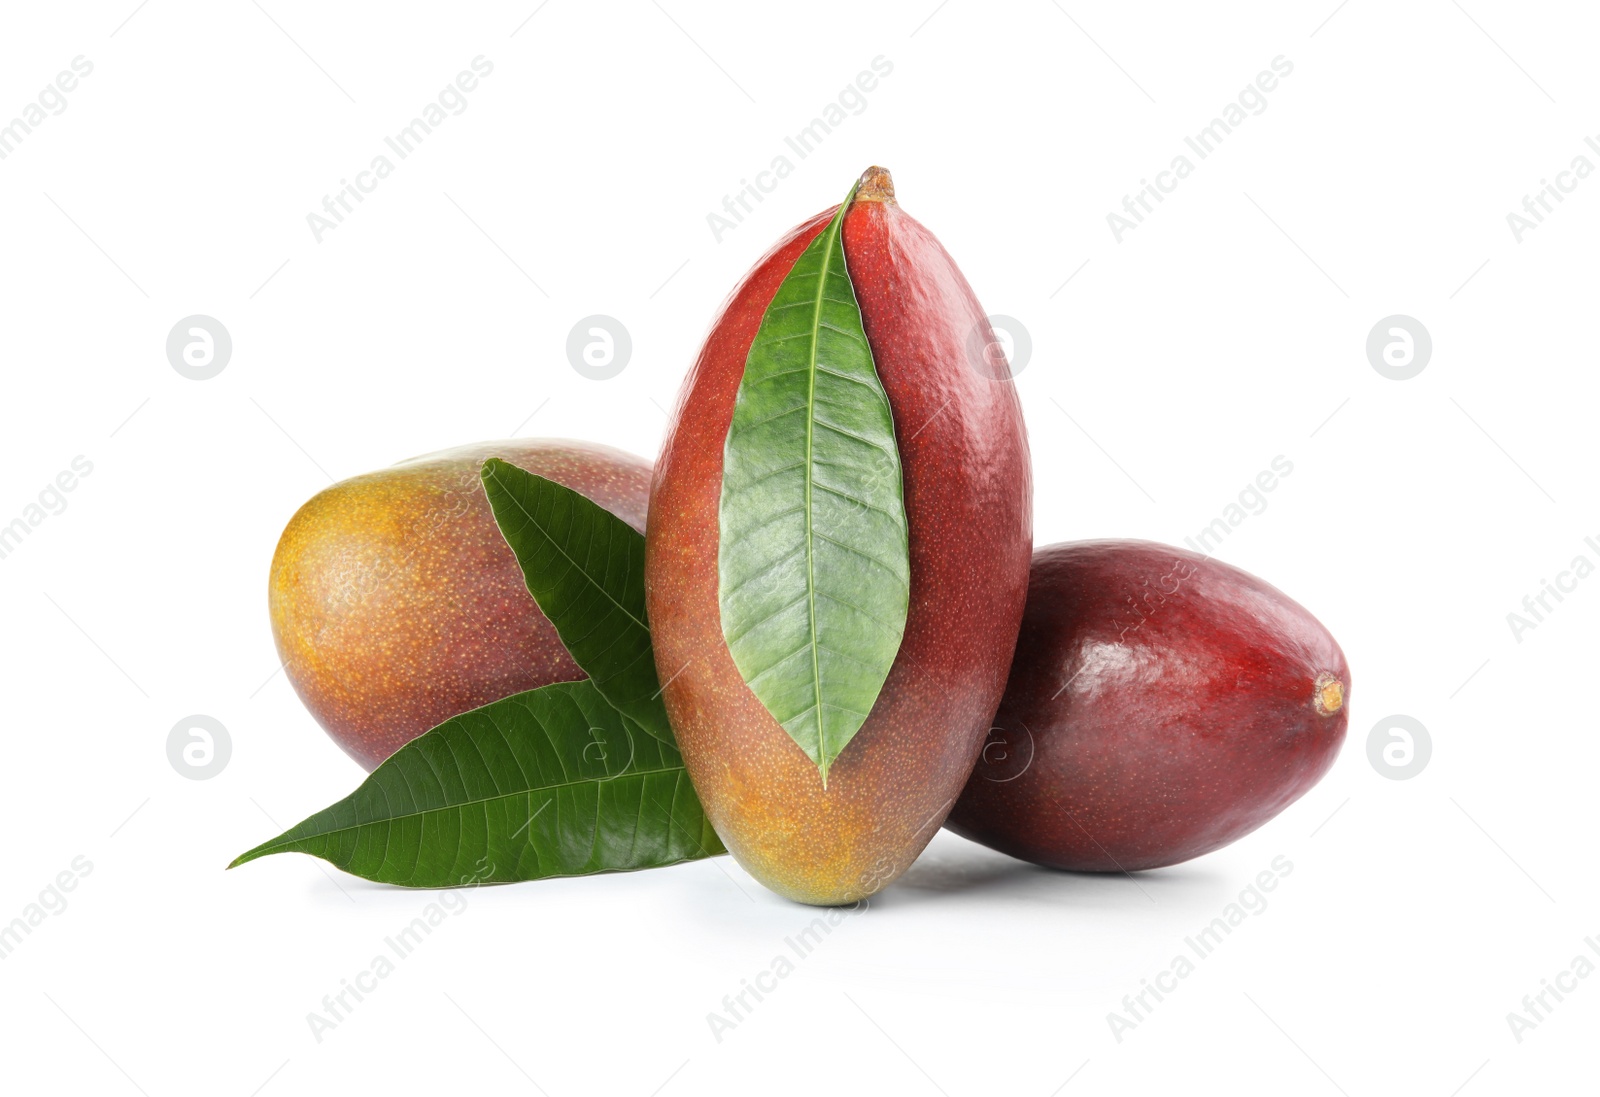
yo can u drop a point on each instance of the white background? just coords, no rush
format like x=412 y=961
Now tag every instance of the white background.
x=1224 y=331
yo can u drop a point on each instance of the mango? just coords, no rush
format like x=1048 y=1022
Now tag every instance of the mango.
x=1162 y=705
x=968 y=504
x=396 y=604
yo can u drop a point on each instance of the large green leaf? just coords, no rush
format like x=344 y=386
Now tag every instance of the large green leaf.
x=814 y=561
x=585 y=568
x=552 y=782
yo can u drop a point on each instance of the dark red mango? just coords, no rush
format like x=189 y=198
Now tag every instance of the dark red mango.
x=1162 y=704
x=968 y=497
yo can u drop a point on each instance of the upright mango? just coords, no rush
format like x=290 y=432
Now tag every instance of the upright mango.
x=819 y=809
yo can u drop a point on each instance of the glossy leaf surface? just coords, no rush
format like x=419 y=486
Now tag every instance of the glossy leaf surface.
x=551 y=782
x=585 y=568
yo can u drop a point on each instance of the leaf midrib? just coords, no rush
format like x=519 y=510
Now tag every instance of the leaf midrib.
x=831 y=235
x=269 y=848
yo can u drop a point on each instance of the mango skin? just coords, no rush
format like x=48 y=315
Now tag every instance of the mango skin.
x=1162 y=705
x=396 y=604
x=968 y=495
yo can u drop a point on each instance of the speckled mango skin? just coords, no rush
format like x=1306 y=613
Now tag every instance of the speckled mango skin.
x=396 y=604
x=968 y=497
x=1162 y=705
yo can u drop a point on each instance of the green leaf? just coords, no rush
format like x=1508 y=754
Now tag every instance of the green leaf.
x=585 y=568
x=551 y=782
x=814 y=560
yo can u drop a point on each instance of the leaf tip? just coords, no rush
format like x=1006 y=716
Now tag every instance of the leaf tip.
x=250 y=855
